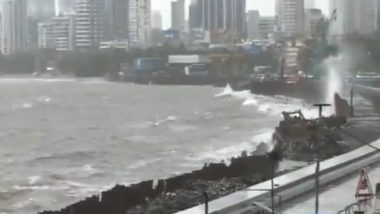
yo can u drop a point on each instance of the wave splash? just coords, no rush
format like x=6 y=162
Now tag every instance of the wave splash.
x=273 y=105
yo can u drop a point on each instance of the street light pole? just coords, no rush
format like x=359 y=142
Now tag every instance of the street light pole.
x=272 y=185
x=206 y=201
x=317 y=169
x=318 y=155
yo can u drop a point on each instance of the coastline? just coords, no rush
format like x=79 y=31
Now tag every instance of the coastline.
x=180 y=192
x=187 y=190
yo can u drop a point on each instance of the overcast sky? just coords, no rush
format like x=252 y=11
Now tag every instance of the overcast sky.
x=266 y=7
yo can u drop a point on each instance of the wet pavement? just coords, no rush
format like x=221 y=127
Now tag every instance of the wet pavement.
x=340 y=194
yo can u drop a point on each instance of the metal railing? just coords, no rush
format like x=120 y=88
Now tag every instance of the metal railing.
x=350 y=208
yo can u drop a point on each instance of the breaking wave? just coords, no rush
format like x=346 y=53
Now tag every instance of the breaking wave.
x=273 y=105
x=249 y=145
x=167 y=119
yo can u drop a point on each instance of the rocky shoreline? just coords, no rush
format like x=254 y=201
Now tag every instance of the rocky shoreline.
x=187 y=190
x=177 y=193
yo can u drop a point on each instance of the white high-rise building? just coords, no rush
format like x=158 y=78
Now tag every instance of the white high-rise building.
x=14 y=26
x=253 y=19
x=291 y=15
x=64 y=32
x=89 y=20
x=57 y=34
x=353 y=16
x=156 y=20
x=46 y=35
x=139 y=22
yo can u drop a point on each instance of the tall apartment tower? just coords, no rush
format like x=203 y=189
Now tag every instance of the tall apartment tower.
x=64 y=32
x=139 y=22
x=195 y=14
x=14 y=26
x=46 y=35
x=291 y=15
x=89 y=21
x=178 y=15
x=156 y=20
x=117 y=19
x=224 y=15
x=253 y=20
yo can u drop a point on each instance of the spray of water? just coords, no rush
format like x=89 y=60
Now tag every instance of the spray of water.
x=336 y=70
x=352 y=57
x=335 y=67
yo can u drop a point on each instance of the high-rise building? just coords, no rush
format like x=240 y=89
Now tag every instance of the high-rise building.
x=267 y=26
x=354 y=16
x=57 y=33
x=195 y=14
x=290 y=14
x=46 y=35
x=312 y=22
x=117 y=19
x=234 y=19
x=64 y=32
x=14 y=26
x=89 y=21
x=139 y=22
x=253 y=19
x=178 y=15
x=156 y=20
x=227 y=16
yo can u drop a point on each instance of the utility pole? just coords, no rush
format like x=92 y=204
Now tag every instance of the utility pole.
x=206 y=201
x=318 y=155
x=272 y=183
x=274 y=157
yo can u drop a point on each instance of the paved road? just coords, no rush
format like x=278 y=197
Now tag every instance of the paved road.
x=334 y=197
x=338 y=195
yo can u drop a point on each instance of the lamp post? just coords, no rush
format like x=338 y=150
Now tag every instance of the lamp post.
x=206 y=201
x=273 y=157
x=318 y=155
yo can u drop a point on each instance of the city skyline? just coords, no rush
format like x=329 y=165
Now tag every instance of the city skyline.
x=265 y=7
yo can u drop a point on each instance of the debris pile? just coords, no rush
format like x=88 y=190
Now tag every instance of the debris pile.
x=298 y=138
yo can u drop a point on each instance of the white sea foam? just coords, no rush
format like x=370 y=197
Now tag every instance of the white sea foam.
x=34 y=188
x=273 y=105
x=248 y=145
x=27 y=105
x=167 y=119
x=250 y=102
x=228 y=91
x=45 y=99
x=33 y=179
